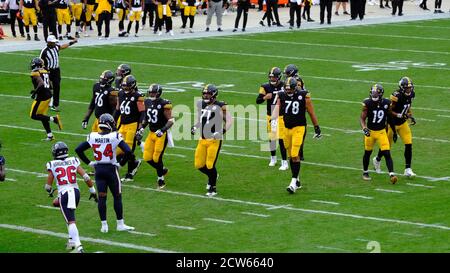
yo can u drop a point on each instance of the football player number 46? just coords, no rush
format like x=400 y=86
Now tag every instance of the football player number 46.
x=66 y=175
x=98 y=155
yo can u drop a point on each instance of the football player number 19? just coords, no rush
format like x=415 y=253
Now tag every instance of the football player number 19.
x=98 y=155
x=66 y=175
x=379 y=115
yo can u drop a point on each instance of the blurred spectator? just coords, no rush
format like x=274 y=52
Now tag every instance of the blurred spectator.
x=103 y=13
x=48 y=10
x=423 y=5
x=272 y=5
x=344 y=6
x=307 y=9
x=150 y=9
x=437 y=6
x=357 y=9
x=295 y=9
x=28 y=11
x=164 y=16
x=267 y=15
x=214 y=7
x=13 y=9
x=328 y=5
x=397 y=4
x=243 y=6
x=386 y=4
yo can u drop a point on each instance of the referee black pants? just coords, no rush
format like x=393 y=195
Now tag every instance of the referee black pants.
x=103 y=17
x=294 y=9
x=49 y=25
x=328 y=4
x=55 y=78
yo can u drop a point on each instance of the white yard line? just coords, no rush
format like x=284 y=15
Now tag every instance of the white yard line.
x=142 y=233
x=419 y=185
x=425 y=119
x=279 y=207
x=443 y=116
x=218 y=220
x=323 y=212
x=362 y=240
x=359 y=196
x=315 y=45
x=219 y=70
x=391 y=191
x=177 y=155
x=333 y=248
x=255 y=214
x=407 y=234
x=85 y=239
x=379 y=35
x=228 y=153
x=10 y=179
x=324 y=202
x=234 y=146
x=182 y=227
x=47 y=207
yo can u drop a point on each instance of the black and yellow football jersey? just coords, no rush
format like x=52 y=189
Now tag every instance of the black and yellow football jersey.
x=267 y=88
x=44 y=92
x=101 y=99
x=129 y=112
x=294 y=108
x=136 y=3
x=154 y=113
x=211 y=117
x=377 y=113
x=29 y=4
x=402 y=105
x=62 y=4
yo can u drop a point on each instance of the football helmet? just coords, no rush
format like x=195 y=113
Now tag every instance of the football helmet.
x=129 y=84
x=106 y=78
x=36 y=63
x=300 y=82
x=123 y=70
x=106 y=123
x=154 y=89
x=406 y=85
x=60 y=150
x=274 y=75
x=209 y=93
x=290 y=70
x=376 y=92
x=290 y=85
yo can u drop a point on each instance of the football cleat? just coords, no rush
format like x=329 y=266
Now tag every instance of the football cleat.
x=293 y=186
x=366 y=177
x=104 y=229
x=70 y=245
x=128 y=178
x=54 y=108
x=284 y=165
x=161 y=184
x=124 y=227
x=273 y=161
x=78 y=249
x=57 y=120
x=49 y=138
x=376 y=165
x=211 y=192
x=208 y=186
x=409 y=173
x=393 y=179
x=135 y=169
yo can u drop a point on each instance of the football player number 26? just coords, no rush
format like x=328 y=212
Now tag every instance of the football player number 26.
x=98 y=155
x=66 y=175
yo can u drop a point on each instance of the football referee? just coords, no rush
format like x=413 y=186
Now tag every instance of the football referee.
x=50 y=55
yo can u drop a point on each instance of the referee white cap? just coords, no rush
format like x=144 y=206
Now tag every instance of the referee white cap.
x=52 y=39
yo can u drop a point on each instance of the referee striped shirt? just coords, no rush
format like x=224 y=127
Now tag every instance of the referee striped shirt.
x=50 y=56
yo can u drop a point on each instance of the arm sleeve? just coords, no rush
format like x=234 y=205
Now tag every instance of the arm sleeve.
x=260 y=99
x=80 y=151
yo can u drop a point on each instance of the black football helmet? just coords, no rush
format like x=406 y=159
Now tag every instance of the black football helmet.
x=106 y=78
x=129 y=84
x=274 y=75
x=36 y=63
x=209 y=93
x=406 y=85
x=60 y=150
x=290 y=70
x=123 y=70
x=300 y=82
x=376 y=92
x=106 y=123
x=155 y=88
x=290 y=85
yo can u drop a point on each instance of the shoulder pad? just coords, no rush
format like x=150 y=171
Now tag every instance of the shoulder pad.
x=34 y=74
x=49 y=166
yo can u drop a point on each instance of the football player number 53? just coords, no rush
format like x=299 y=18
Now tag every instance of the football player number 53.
x=98 y=155
x=152 y=115
x=66 y=175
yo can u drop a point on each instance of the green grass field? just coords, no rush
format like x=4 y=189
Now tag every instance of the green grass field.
x=335 y=211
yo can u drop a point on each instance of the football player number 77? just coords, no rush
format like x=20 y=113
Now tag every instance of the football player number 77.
x=98 y=155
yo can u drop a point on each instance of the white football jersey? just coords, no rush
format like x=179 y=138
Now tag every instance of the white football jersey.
x=104 y=146
x=65 y=173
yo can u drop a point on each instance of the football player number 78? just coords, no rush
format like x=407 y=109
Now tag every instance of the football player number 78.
x=98 y=155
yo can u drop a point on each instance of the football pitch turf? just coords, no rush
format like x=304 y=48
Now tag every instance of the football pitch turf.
x=335 y=211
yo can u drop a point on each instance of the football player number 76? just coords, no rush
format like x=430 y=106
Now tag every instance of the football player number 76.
x=98 y=155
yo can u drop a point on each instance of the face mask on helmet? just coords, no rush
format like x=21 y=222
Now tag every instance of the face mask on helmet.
x=60 y=150
x=274 y=75
x=154 y=91
x=290 y=86
x=107 y=123
x=406 y=86
x=374 y=95
x=209 y=93
x=106 y=78
x=129 y=84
